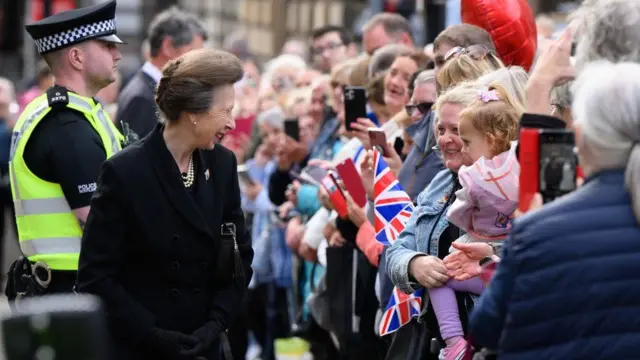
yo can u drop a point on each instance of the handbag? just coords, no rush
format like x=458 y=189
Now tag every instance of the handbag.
x=229 y=264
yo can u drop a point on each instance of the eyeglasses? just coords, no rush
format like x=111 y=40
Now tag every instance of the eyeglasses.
x=423 y=107
x=476 y=52
x=317 y=51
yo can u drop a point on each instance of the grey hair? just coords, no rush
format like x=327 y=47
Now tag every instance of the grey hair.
x=607 y=30
x=173 y=23
x=561 y=95
x=513 y=79
x=382 y=59
x=608 y=116
x=273 y=117
x=424 y=77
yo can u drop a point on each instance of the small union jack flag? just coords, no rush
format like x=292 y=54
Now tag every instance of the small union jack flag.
x=400 y=310
x=393 y=207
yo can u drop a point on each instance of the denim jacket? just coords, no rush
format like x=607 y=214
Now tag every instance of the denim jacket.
x=422 y=233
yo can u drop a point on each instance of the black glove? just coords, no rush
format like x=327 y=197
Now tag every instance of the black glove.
x=173 y=344
x=206 y=336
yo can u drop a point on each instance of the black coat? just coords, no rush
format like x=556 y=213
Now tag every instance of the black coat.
x=149 y=251
x=136 y=105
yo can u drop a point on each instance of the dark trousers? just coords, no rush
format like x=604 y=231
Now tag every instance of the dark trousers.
x=262 y=316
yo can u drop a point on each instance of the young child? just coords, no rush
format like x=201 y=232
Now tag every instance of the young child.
x=484 y=206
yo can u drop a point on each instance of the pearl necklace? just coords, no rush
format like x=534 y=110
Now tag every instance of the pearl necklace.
x=188 y=178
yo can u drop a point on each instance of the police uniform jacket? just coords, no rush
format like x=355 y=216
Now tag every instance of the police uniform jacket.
x=150 y=252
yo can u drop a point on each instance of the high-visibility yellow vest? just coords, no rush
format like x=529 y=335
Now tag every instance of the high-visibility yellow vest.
x=48 y=230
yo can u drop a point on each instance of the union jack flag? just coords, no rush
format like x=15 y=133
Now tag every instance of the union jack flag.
x=393 y=207
x=400 y=310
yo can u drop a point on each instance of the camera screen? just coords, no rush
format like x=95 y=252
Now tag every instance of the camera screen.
x=557 y=168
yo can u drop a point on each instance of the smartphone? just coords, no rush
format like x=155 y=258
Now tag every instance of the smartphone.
x=352 y=181
x=315 y=172
x=548 y=164
x=355 y=105
x=398 y=145
x=303 y=178
x=243 y=175
x=378 y=140
x=558 y=163
x=331 y=184
x=292 y=128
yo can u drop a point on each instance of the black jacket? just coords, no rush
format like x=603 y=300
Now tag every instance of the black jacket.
x=136 y=105
x=149 y=251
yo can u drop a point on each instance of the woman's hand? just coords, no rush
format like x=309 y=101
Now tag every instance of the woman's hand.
x=393 y=160
x=324 y=198
x=536 y=203
x=336 y=239
x=357 y=215
x=465 y=263
x=328 y=230
x=428 y=270
x=367 y=175
x=552 y=68
x=360 y=130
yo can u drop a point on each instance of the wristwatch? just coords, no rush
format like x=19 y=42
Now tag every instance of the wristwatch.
x=485 y=260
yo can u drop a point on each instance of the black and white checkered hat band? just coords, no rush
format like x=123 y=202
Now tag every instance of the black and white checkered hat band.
x=77 y=34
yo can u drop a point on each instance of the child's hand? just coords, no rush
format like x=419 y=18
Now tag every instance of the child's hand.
x=464 y=264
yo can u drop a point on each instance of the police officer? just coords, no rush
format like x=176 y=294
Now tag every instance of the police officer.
x=59 y=144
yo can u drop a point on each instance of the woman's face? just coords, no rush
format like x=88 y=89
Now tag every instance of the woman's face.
x=209 y=128
x=337 y=93
x=396 y=83
x=449 y=140
x=271 y=136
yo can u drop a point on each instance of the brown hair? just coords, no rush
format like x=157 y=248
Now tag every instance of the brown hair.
x=189 y=82
x=464 y=35
x=500 y=119
x=419 y=57
x=359 y=75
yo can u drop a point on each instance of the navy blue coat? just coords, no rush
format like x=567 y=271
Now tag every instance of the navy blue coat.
x=568 y=285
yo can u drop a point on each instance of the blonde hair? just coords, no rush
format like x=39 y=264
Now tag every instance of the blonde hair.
x=499 y=119
x=512 y=78
x=465 y=68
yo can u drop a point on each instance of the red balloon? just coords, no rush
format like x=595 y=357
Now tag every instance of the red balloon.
x=511 y=25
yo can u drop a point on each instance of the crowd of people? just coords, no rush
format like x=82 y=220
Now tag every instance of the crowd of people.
x=451 y=114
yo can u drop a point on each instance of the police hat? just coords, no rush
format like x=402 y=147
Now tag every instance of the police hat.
x=64 y=29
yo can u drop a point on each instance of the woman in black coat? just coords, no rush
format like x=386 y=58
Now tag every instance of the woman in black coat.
x=152 y=247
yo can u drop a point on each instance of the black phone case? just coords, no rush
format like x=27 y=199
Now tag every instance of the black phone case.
x=292 y=129
x=355 y=104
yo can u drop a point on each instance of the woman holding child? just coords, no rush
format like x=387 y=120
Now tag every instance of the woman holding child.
x=475 y=129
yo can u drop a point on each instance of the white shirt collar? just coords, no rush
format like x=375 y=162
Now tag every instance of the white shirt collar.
x=149 y=69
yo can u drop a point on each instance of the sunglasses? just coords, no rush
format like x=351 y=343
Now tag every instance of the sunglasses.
x=476 y=52
x=423 y=107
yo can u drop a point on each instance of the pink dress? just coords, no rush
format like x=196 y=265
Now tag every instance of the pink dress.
x=484 y=206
